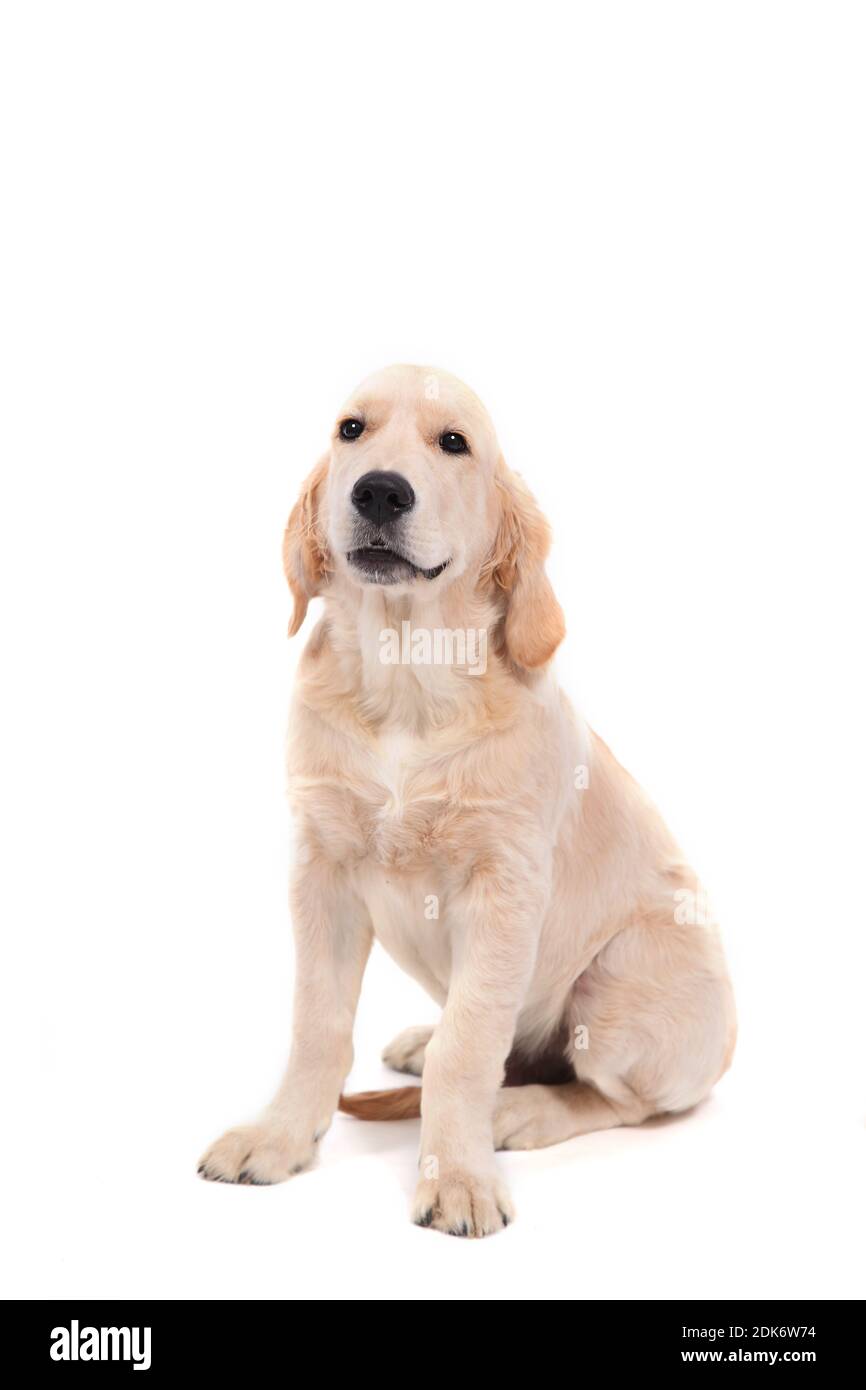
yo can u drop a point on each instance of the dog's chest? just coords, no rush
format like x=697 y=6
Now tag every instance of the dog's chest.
x=395 y=757
x=405 y=811
x=407 y=874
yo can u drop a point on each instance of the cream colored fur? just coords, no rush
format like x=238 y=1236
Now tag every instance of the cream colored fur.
x=563 y=921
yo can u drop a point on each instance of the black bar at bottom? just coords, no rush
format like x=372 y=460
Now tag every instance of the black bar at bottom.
x=153 y=1339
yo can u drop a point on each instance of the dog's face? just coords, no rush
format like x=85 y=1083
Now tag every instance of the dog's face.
x=410 y=479
x=412 y=495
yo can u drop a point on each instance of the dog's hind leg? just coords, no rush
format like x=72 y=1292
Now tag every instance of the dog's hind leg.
x=653 y=1026
x=406 y=1052
x=533 y=1117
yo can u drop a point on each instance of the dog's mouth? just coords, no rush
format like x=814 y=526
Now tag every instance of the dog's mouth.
x=383 y=565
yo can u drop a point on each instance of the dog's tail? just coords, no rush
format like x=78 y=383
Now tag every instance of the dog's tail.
x=402 y=1103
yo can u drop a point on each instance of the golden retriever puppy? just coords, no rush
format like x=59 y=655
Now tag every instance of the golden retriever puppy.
x=451 y=804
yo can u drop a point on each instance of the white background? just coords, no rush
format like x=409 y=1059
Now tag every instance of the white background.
x=637 y=230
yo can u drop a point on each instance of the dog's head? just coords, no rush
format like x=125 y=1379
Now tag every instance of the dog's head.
x=414 y=495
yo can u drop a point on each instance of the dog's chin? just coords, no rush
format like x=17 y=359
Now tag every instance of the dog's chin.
x=378 y=565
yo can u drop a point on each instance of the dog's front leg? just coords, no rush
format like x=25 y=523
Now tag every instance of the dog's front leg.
x=333 y=935
x=495 y=925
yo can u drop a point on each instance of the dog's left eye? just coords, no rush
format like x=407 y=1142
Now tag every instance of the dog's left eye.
x=453 y=443
x=350 y=429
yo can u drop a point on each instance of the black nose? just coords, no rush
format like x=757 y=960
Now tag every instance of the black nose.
x=382 y=496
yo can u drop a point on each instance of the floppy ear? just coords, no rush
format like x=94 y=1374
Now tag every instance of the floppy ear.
x=305 y=554
x=534 y=625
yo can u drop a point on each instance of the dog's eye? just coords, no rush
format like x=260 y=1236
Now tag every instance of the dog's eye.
x=350 y=429
x=453 y=443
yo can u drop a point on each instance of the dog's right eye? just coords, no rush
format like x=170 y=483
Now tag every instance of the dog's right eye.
x=350 y=429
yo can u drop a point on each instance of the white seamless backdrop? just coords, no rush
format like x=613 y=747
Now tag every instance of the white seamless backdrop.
x=637 y=231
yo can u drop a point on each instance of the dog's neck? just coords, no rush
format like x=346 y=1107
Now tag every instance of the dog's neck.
x=413 y=663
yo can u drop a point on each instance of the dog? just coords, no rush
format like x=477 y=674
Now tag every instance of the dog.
x=472 y=823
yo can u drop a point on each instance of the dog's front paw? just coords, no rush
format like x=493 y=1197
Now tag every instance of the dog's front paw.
x=463 y=1203
x=257 y=1155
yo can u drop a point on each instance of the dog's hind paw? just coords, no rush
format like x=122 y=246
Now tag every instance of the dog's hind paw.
x=406 y=1052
